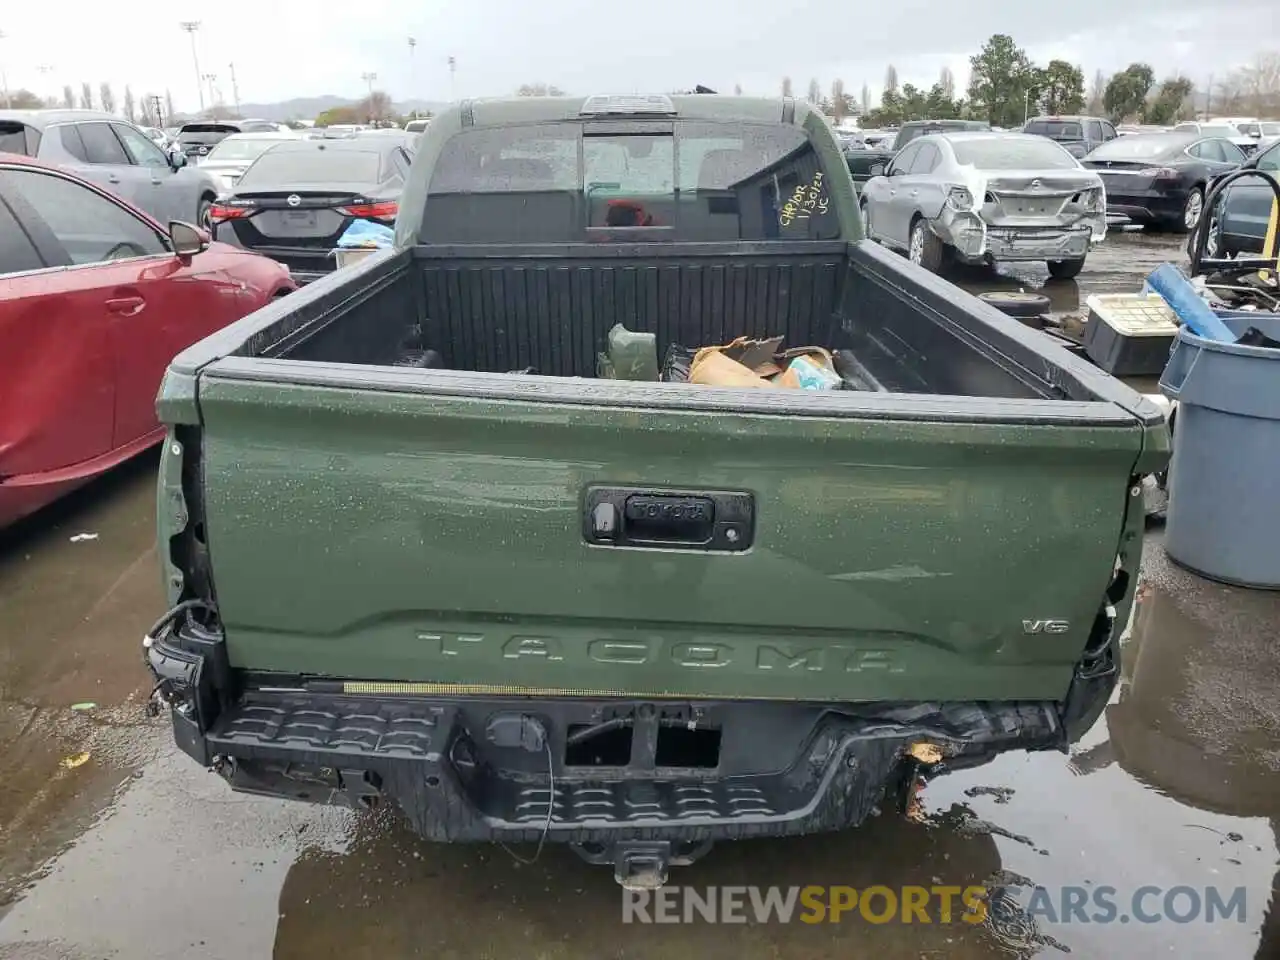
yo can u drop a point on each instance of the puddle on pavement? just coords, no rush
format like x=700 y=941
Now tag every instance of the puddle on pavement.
x=72 y=615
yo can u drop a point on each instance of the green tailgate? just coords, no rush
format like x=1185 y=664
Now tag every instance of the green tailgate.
x=417 y=537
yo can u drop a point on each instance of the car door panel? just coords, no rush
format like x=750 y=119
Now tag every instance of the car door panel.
x=162 y=307
x=164 y=199
x=120 y=175
x=910 y=185
x=57 y=404
x=112 y=257
x=896 y=218
x=930 y=192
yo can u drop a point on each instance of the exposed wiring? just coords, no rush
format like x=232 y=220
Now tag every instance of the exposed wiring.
x=551 y=808
x=586 y=733
x=171 y=615
x=149 y=639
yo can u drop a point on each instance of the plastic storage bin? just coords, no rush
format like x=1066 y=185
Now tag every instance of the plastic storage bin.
x=1223 y=519
x=1129 y=335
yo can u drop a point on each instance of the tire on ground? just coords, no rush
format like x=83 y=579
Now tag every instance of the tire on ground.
x=1017 y=304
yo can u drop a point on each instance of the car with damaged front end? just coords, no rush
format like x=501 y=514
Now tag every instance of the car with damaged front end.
x=983 y=197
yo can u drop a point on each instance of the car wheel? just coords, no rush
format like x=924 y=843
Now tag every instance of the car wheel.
x=203 y=220
x=1065 y=269
x=865 y=209
x=1015 y=303
x=924 y=248
x=1191 y=210
x=1213 y=245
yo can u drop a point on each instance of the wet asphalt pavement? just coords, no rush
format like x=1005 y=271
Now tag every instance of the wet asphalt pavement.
x=113 y=845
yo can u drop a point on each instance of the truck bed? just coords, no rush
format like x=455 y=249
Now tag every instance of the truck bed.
x=636 y=616
x=495 y=311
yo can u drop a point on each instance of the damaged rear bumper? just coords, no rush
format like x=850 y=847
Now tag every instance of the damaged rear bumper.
x=637 y=783
x=977 y=241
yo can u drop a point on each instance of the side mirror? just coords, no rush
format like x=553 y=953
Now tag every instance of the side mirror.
x=177 y=159
x=877 y=170
x=187 y=240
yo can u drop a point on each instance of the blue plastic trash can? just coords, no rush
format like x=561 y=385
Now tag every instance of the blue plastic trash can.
x=1223 y=519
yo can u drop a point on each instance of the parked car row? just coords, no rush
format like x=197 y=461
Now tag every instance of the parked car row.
x=947 y=190
x=96 y=297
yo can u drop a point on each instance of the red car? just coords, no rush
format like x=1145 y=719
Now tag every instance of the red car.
x=95 y=299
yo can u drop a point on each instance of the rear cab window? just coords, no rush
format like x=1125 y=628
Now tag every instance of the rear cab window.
x=629 y=181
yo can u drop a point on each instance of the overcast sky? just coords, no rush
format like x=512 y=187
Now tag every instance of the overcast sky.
x=289 y=48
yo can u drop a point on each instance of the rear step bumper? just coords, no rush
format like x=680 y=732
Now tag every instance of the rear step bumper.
x=558 y=769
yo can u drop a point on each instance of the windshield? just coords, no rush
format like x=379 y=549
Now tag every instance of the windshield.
x=1138 y=147
x=1056 y=129
x=1009 y=153
x=557 y=182
x=234 y=148
x=907 y=134
x=1218 y=130
x=296 y=168
x=1270 y=129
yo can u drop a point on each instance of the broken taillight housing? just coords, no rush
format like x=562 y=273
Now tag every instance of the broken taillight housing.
x=960 y=198
x=1092 y=200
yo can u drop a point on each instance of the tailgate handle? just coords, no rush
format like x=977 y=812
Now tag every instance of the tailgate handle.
x=628 y=517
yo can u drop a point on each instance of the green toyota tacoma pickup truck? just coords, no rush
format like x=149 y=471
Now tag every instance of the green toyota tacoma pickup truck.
x=420 y=553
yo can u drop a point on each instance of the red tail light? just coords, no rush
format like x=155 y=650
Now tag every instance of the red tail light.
x=384 y=210
x=218 y=213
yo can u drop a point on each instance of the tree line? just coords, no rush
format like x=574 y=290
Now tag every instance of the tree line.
x=1005 y=87
x=148 y=110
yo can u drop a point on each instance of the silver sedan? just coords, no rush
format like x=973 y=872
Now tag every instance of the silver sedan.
x=985 y=198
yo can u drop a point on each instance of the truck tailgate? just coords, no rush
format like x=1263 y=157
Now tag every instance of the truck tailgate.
x=406 y=535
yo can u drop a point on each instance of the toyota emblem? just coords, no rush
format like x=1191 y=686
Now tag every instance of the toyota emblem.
x=293 y=200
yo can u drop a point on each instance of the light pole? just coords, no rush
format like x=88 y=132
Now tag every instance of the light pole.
x=191 y=26
x=235 y=89
x=4 y=80
x=210 y=78
x=413 y=83
x=368 y=78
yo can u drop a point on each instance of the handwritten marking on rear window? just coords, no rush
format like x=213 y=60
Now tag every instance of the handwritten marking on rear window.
x=805 y=200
